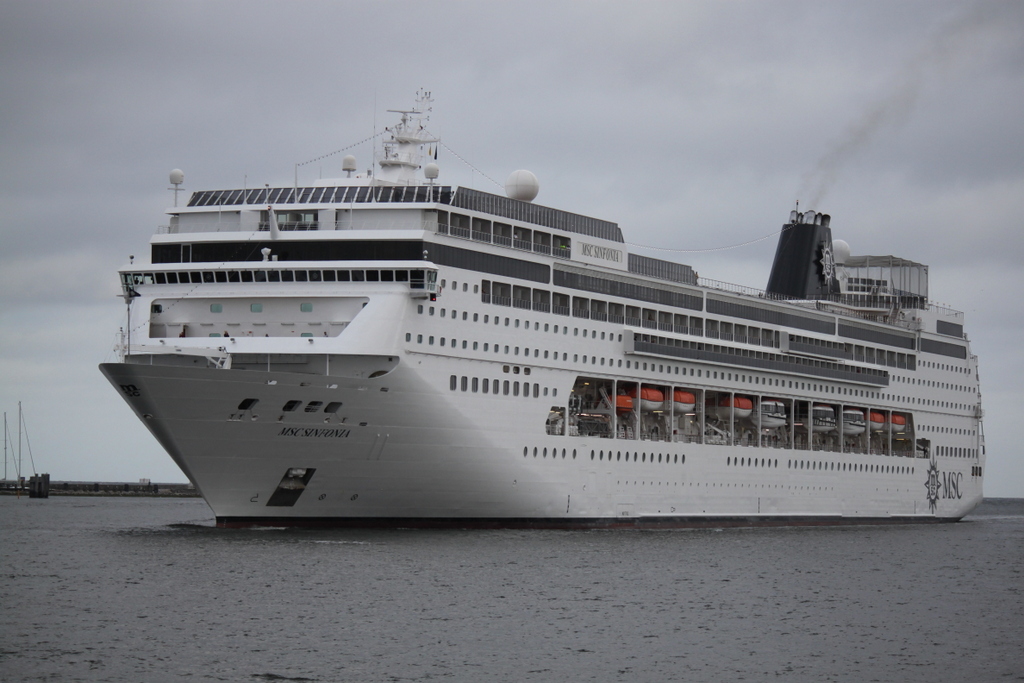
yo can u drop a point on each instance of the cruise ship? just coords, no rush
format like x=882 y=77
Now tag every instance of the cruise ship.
x=383 y=350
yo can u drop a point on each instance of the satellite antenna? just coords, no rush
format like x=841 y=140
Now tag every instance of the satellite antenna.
x=348 y=164
x=177 y=178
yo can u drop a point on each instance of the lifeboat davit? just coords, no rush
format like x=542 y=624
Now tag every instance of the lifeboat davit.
x=823 y=418
x=651 y=399
x=853 y=422
x=684 y=400
x=877 y=421
x=773 y=413
x=623 y=404
x=739 y=406
x=897 y=423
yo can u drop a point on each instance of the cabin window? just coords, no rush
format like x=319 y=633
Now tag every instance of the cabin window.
x=291 y=406
x=214 y=308
x=306 y=308
x=256 y=308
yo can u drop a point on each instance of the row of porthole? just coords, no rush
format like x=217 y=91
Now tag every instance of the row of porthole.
x=849 y=467
x=544 y=452
x=474 y=384
x=526 y=323
x=642 y=457
x=955 y=452
x=600 y=455
x=948 y=430
x=752 y=462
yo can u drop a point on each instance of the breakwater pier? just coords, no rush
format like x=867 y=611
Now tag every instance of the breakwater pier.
x=143 y=488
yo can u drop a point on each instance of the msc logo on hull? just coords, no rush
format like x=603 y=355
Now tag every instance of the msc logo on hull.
x=942 y=485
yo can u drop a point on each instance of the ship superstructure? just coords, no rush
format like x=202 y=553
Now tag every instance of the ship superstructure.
x=382 y=349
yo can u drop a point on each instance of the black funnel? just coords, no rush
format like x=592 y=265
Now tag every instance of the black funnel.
x=804 y=267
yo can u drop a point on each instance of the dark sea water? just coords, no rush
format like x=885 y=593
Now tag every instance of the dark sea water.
x=133 y=589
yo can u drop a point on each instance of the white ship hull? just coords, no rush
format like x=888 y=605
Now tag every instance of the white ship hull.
x=413 y=456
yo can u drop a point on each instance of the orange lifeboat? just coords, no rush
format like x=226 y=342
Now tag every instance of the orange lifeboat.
x=651 y=399
x=896 y=423
x=877 y=421
x=739 y=406
x=623 y=404
x=684 y=400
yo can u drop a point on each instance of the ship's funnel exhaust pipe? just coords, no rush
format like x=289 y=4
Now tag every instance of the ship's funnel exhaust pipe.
x=804 y=267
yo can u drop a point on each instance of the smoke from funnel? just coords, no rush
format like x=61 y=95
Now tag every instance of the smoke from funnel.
x=945 y=49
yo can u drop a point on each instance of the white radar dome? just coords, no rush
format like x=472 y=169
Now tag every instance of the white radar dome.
x=840 y=251
x=431 y=171
x=522 y=185
x=348 y=163
x=177 y=177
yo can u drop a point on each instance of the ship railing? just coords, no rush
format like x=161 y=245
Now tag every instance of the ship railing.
x=485 y=298
x=525 y=245
x=562 y=252
x=480 y=236
x=632 y=322
x=289 y=226
x=580 y=313
x=597 y=315
x=501 y=300
x=944 y=310
x=617 y=319
x=560 y=310
x=541 y=307
x=522 y=303
x=456 y=231
x=542 y=249
x=503 y=240
x=666 y=327
x=650 y=324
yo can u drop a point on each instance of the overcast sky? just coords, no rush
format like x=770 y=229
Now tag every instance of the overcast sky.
x=695 y=126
